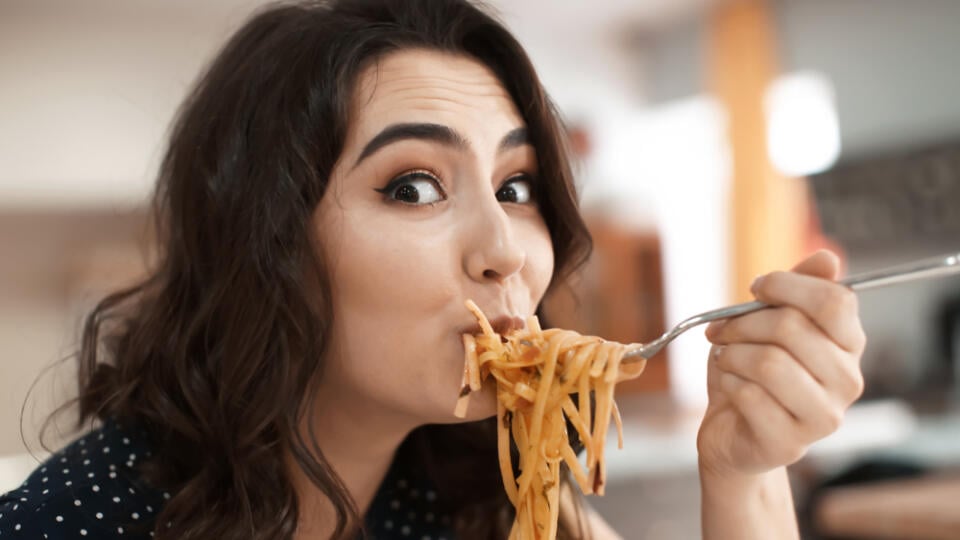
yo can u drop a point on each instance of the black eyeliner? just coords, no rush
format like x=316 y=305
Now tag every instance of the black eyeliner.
x=392 y=184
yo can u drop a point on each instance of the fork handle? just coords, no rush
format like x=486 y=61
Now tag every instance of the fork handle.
x=926 y=268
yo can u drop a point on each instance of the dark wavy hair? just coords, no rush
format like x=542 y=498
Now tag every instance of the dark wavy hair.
x=216 y=352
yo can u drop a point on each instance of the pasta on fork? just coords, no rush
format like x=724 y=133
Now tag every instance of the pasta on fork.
x=537 y=373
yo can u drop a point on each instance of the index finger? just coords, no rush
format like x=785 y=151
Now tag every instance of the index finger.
x=831 y=306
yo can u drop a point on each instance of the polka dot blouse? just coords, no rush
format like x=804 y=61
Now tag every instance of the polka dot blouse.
x=91 y=489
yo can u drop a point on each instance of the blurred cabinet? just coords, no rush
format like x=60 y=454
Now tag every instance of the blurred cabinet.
x=618 y=295
x=896 y=201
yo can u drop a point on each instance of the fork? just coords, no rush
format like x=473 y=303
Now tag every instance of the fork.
x=927 y=268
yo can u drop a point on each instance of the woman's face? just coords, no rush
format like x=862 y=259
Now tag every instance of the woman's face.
x=430 y=204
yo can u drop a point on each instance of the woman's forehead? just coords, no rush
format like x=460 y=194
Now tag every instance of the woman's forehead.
x=420 y=85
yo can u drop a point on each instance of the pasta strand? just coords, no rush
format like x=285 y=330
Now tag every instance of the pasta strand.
x=536 y=371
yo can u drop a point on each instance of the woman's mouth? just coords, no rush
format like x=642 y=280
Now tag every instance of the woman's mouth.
x=504 y=324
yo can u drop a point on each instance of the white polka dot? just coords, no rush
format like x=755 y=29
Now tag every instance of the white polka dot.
x=106 y=449
x=126 y=440
x=388 y=524
x=99 y=515
x=66 y=471
x=68 y=483
x=95 y=487
x=16 y=527
x=113 y=474
x=76 y=502
x=46 y=491
x=405 y=530
x=89 y=475
x=166 y=495
x=116 y=499
x=59 y=519
x=83 y=532
x=44 y=480
x=135 y=515
x=119 y=530
x=149 y=508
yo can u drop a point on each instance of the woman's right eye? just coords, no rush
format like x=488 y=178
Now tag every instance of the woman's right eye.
x=416 y=188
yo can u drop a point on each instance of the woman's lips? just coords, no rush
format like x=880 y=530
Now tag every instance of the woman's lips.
x=502 y=325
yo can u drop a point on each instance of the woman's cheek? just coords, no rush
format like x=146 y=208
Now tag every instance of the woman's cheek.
x=540 y=260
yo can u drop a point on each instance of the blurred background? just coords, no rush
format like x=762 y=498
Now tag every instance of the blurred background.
x=718 y=140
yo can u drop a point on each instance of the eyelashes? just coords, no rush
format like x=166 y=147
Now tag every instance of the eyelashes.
x=414 y=188
x=422 y=187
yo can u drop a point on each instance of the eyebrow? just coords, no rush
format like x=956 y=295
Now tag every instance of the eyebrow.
x=436 y=133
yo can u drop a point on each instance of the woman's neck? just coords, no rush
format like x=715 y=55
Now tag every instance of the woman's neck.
x=358 y=441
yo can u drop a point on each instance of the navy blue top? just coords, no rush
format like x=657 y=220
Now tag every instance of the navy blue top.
x=91 y=489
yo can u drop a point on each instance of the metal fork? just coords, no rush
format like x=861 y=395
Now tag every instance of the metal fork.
x=927 y=268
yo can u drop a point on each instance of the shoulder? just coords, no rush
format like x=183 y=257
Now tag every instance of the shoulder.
x=89 y=489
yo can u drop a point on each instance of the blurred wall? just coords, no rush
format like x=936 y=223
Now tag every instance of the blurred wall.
x=54 y=267
x=891 y=64
x=88 y=90
x=892 y=68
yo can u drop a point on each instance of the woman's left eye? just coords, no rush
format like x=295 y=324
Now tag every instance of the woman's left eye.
x=518 y=189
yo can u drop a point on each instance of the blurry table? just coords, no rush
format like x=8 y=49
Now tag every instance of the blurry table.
x=926 y=508
x=660 y=438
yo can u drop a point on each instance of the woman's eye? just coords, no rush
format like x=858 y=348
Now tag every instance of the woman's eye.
x=518 y=189
x=414 y=188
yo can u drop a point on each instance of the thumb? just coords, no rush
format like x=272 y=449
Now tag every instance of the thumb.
x=823 y=264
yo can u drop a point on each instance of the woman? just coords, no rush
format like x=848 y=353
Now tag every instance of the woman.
x=342 y=178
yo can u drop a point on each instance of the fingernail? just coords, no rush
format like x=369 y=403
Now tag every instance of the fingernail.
x=718 y=350
x=756 y=284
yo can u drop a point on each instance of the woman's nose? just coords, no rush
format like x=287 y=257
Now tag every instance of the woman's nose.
x=492 y=251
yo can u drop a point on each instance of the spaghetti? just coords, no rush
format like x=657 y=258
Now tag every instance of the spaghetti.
x=536 y=373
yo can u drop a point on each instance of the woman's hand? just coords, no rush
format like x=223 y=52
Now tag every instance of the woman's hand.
x=781 y=378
